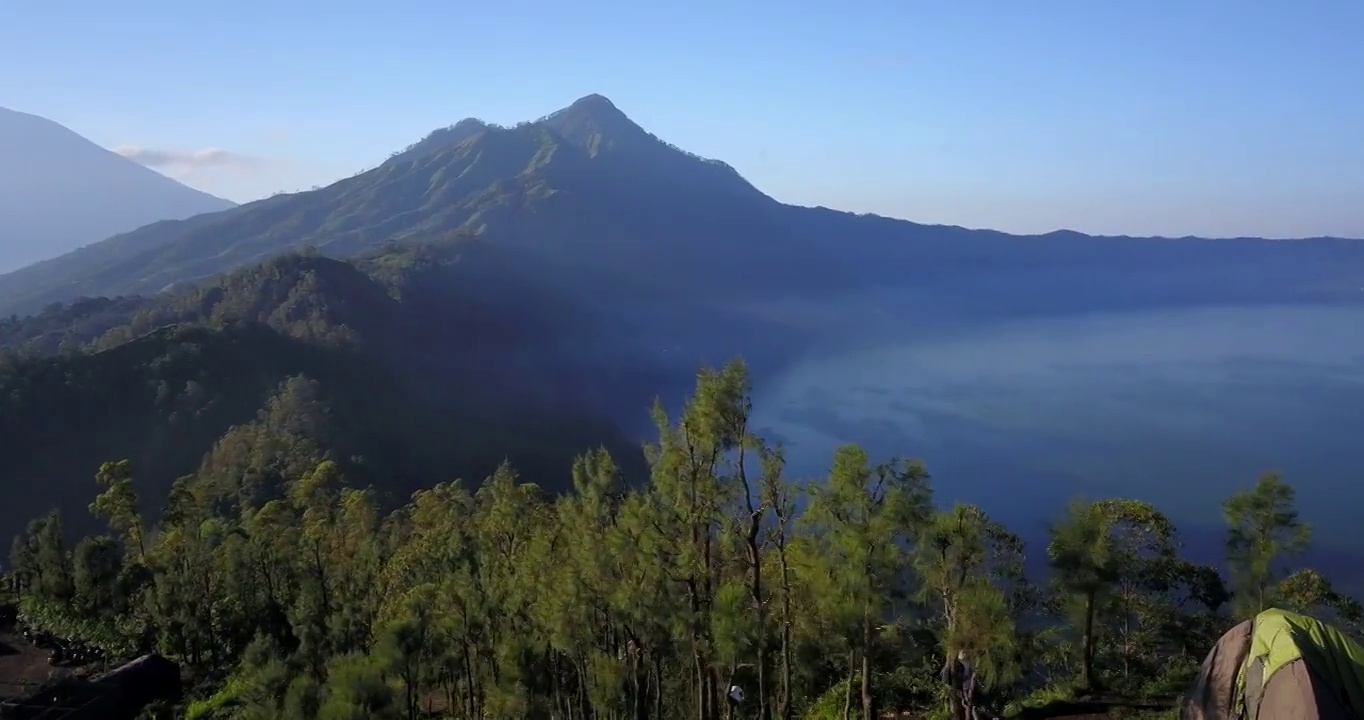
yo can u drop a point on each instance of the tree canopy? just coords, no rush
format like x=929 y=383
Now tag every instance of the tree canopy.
x=309 y=597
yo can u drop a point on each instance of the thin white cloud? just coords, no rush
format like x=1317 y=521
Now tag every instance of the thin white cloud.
x=189 y=163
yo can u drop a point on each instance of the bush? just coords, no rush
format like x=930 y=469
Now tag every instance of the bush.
x=111 y=636
x=829 y=706
x=913 y=688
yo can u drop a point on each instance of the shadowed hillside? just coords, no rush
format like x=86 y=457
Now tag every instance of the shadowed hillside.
x=408 y=364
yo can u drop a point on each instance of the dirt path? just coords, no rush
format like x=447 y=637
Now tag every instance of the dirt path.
x=22 y=666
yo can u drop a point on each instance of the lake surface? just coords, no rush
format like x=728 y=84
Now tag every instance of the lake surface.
x=1178 y=406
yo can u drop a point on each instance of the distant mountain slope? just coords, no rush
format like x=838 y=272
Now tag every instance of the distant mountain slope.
x=584 y=197
x=404 y=364
x=59 y=191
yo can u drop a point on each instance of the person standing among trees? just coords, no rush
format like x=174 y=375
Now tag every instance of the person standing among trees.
x=961 y=681
x=736 y=698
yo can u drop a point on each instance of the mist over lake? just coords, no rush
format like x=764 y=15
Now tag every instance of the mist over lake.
x=1180 y=406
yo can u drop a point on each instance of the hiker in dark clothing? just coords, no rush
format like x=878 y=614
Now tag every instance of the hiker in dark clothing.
x=736 y=698
x=961 y=679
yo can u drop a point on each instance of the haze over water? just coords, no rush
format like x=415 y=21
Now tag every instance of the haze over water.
x=1178 y=406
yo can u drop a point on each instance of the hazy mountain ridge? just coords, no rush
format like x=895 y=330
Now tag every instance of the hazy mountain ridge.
x=584 y=197
x=509 y=183
x=59 y=191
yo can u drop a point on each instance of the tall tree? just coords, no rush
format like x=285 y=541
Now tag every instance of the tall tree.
x=866 y=517
x=693 y=483
x=118 y=505
x=1081 y=553
x=1143 y=554
x=1263 y=528
x=780 y=496
x=965 y=561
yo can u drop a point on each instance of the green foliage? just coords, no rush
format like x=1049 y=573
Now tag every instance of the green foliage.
x=117 y=637
x=118 y=503
x=1043 y=696
x=1087 y=565
x=301 y=596
x=1263 y=528
x=967 y=564
x=218 y=705
x=829 y=705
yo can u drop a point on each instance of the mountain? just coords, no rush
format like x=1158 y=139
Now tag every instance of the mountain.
x=493 y=292
x=579 y=184
x=59 y=191
x=586 y=198
x=410 y=364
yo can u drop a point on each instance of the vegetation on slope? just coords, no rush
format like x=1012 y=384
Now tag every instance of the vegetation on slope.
x=409 y=363
x=840 y=598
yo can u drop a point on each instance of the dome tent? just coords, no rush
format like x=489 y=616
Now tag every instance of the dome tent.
x=1276 y=666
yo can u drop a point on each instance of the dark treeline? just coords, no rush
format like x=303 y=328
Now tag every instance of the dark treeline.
x=841 y=597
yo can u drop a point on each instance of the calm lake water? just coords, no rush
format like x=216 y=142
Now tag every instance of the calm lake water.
x=1180 y=407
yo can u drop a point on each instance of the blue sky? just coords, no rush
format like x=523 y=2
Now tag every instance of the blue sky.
x=1158 y=117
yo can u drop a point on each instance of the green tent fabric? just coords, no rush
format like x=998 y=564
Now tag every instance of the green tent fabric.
x=1280 y=637
x=1280 y=666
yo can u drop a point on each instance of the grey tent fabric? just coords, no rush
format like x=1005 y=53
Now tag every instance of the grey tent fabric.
x=1296 y=692
x=1214 y=694
x=1279 y=666
x=1254 y=687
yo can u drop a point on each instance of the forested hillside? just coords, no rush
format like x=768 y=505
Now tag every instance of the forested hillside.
x=838 y=598
x=411 y=364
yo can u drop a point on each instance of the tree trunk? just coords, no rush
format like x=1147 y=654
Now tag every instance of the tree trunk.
x=1126 y=633
x=847 y=693
x=755 y=557
x=955 y=709
x=866 y=664
x=472 y=683
x=451 y=691
x=784 y=699
x=410 y=690
x=580 y=669
x=711 y=709
x=724 y=688
x=784 y=696
x=1088 y=669
x=755 y=519
x=658 y=686
x=640 y=704
x=701 y=690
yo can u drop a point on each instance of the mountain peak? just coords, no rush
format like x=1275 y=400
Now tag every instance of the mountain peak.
x=592 y=120
x=595 y=109
x=469 y=124
x=595 y=103
x=443 y=138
